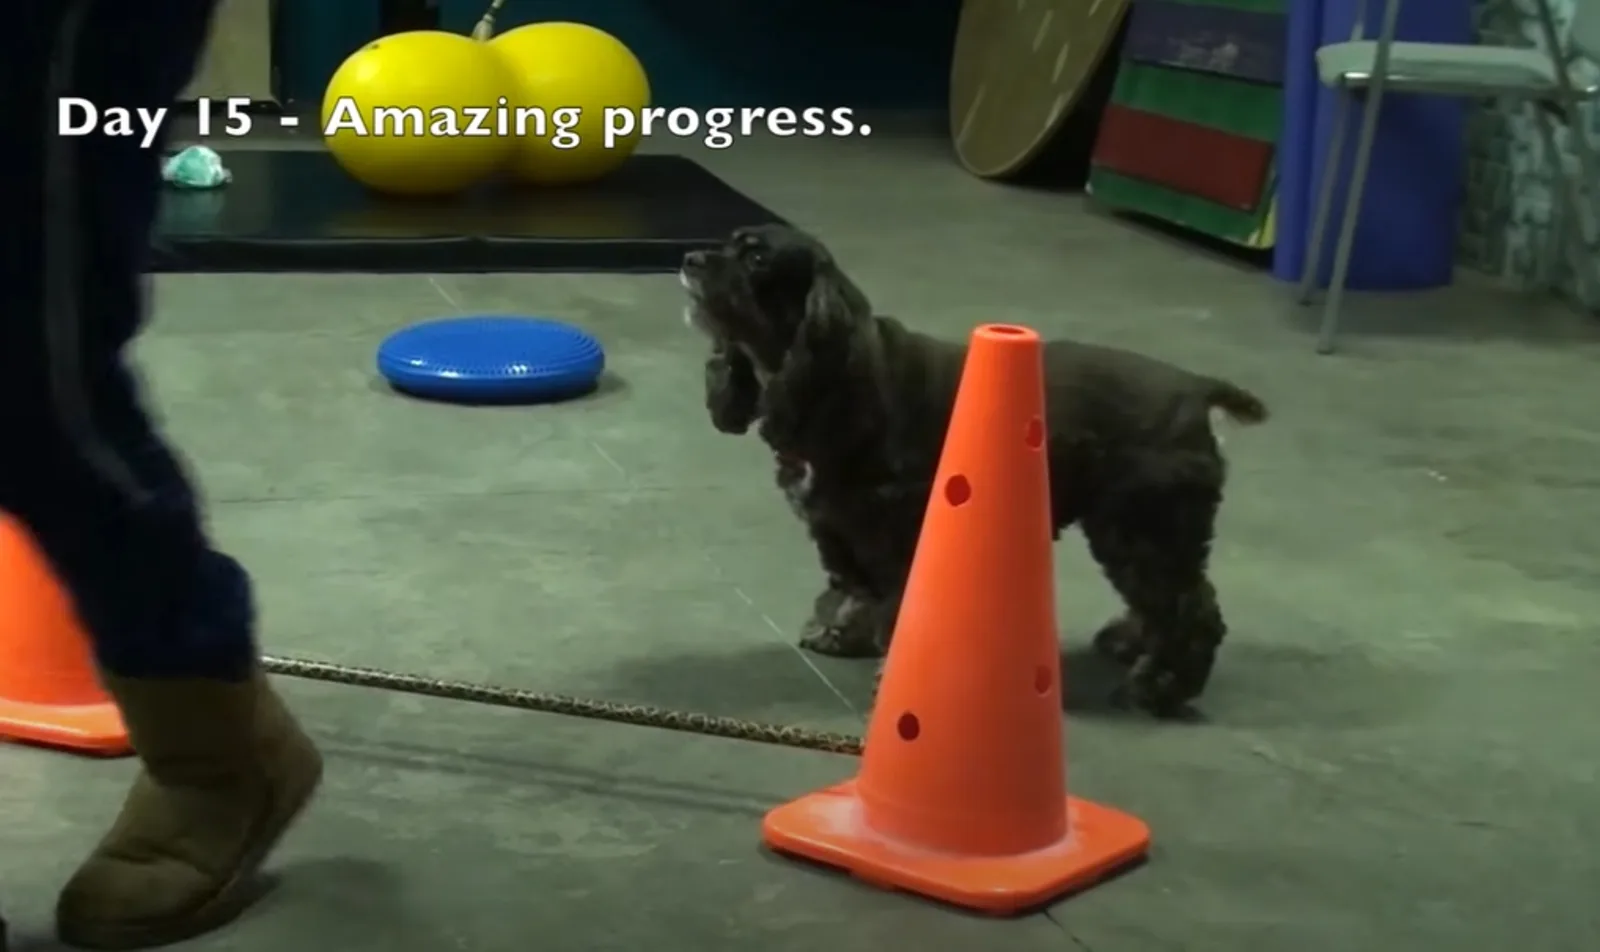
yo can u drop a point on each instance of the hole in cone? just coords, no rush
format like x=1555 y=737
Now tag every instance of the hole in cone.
x=957 y=490
x=1007 y=330
x=908 y=726
x=1033 y=436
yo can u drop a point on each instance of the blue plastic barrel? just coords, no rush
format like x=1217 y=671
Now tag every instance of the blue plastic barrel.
x=1406 y=238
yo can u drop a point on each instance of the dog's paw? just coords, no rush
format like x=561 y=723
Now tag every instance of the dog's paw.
x=842 y=625
x=827 y=613
x=1160 y=693
x=1128 y=698
x=838 y=641
x=816 y=631
x=1121 y=641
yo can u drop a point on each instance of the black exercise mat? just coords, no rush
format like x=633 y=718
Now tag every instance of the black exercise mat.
x=298 y=211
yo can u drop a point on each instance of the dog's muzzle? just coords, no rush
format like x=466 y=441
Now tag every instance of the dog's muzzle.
x=689 y=276
x=693 y=270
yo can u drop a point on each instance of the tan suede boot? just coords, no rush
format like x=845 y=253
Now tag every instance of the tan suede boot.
x=226 y=769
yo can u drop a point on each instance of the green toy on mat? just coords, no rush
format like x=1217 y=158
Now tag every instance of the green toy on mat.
x=196 y=167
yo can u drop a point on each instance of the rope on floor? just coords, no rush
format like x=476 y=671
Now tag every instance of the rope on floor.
x=638 y=715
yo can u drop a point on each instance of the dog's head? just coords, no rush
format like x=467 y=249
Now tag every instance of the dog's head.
x=762 y=286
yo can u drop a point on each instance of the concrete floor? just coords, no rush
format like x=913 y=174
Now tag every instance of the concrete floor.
x=1400 y=753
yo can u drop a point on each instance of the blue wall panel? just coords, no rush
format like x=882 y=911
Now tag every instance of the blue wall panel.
x=882 y=54
x=312 y=37
x=863 y=53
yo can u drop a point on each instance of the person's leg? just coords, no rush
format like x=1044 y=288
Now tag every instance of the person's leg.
x=86 y=470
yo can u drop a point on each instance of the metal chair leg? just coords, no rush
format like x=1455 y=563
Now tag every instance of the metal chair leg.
x=1332 y=166
x=1358 y=179
x=1352 y=217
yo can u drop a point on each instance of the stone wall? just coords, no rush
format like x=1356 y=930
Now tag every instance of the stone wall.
x=1512 y=196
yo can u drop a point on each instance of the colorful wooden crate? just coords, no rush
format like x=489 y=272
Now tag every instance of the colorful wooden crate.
x=1191 y=134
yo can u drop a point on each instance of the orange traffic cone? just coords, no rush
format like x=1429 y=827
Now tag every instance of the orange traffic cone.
x=49 y=693
x=962 y=794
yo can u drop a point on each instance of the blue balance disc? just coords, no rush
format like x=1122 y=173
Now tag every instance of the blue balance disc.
x=491 y=360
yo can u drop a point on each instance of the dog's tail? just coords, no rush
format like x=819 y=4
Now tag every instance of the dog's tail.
x=1239 y=404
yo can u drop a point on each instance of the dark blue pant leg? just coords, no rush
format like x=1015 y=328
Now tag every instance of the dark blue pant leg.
x=82 y=464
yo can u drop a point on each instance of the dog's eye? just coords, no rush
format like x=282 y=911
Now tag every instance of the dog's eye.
x=753 y=253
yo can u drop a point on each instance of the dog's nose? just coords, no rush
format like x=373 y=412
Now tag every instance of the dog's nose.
x=694 y=259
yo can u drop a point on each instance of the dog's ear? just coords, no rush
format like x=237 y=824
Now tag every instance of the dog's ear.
x=733 y=393
x=835 y=313
x=840 y=309
x=834 y=300
x=833 y=379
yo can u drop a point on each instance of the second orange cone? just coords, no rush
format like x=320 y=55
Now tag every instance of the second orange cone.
x=49 y=692
x=962 y=793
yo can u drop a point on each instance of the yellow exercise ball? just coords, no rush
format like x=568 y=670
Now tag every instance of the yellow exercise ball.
x=559 y=68
x=414 y=113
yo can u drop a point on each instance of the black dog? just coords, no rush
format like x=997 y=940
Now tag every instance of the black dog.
x=854 y=406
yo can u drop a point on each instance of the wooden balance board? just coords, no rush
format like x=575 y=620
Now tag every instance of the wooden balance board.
x=1020 y=69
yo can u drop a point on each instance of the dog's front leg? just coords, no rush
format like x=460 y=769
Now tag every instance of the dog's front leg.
x=840 y=622
x=733 y=393
x=850 y=624
x=830 y=611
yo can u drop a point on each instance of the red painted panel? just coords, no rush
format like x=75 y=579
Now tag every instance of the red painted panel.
x=1195 y=160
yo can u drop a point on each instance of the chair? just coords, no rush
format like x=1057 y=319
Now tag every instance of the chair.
x=1540 y=77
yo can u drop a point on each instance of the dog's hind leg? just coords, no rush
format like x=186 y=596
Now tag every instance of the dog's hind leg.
x=1177 y=663
x=1121 y=640
x=1155 y=554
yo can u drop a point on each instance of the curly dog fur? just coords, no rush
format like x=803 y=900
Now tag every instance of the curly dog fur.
x=854 y=407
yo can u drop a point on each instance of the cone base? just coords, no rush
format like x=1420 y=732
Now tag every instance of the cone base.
x=828 y=827
x=95 y=729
